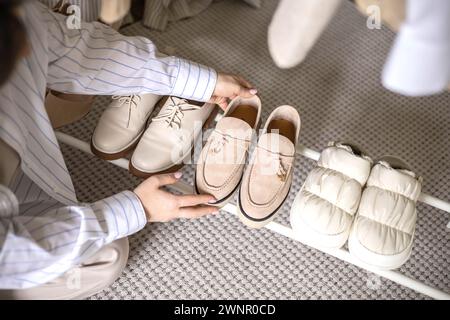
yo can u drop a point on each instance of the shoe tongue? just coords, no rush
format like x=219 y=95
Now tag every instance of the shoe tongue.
x=397 y=166
x=345 y=147
x=275 y=142
x=179 y=101
x=235 y=128
x=176 y=100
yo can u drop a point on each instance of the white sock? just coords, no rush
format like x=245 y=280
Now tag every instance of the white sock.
x=295 y=28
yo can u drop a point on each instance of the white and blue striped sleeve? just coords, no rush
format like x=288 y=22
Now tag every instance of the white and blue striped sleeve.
x=40 y=241
x=96 y=59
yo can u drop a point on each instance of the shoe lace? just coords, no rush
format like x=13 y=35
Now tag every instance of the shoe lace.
x=130 y=100
x=174 y=113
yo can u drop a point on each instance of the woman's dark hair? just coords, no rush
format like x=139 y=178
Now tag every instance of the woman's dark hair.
x=12 y=37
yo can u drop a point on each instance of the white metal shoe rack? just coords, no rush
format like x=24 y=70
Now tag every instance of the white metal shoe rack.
x=287 y=231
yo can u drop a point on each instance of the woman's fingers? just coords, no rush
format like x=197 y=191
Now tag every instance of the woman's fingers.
x=221 y=101
x=244 y=82
x=166 y=178
x=245 y=89
x=188 y=200
x=246 y=93
x=197 y=211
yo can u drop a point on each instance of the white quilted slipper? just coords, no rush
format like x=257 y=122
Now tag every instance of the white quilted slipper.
x=383 y=231
x=323 y=211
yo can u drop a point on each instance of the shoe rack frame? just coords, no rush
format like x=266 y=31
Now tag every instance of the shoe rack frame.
x=341 y=253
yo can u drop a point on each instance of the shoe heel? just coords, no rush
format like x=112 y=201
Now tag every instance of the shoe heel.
x=211 y=117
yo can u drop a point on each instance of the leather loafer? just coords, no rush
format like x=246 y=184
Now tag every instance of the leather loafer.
x=268 y=177
x=222 y=160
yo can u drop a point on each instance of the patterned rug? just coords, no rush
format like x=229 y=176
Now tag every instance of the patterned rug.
x=338 y=93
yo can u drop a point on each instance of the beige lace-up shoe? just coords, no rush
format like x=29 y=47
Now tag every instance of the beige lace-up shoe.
x=268 y=177
x=121 y=125
x=170 y=137
x=222 y=160
x=383 y=231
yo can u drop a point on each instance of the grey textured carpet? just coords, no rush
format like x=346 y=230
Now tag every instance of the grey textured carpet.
x=338 y=93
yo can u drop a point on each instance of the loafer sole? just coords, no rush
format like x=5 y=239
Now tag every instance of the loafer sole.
x=255 y=223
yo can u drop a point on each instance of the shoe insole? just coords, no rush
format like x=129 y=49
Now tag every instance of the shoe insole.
x=282 y=127
x=246 y=113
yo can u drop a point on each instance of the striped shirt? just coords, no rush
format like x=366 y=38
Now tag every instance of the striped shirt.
x=44 y=231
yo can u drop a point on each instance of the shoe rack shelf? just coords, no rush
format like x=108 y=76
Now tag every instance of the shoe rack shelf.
x=341 y=253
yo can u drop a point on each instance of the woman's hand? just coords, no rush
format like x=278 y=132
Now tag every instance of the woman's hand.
x=163 y=206
x=228 y=87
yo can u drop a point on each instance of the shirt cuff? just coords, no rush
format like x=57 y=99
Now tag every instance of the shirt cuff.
x=124 y=214
x=416 y=67
x=194 y=81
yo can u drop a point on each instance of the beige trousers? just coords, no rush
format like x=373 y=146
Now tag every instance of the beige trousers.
x=95 y=274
